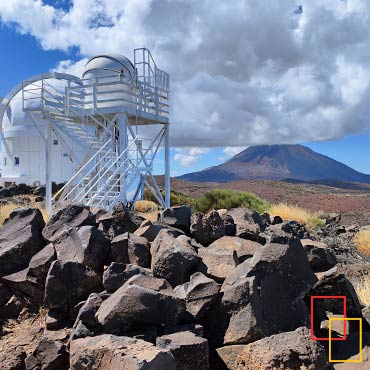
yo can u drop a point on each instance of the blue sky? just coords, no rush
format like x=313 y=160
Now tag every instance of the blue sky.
x=282 y=95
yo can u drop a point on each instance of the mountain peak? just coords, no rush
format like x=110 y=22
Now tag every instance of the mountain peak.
x=278 y=162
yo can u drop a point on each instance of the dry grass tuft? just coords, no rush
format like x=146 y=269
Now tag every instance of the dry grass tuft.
x=145 y=206
x=362 y=286
x=362 y=242
x=147 y=209
x=294 y=213
x=8 y=208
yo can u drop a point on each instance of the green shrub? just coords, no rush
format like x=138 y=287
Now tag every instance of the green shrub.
x=220 y=198
x=177 y=198
x=215 y=199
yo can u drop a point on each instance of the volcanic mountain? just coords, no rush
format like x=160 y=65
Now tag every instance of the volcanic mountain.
x=278 y=162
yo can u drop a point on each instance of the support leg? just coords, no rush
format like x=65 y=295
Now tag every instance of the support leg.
x=122 y=146
x=48 y=169
x=167 y=167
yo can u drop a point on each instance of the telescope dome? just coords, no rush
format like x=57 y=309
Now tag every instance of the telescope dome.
x=109 y=65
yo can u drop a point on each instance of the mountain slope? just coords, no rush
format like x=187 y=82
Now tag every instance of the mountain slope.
x=277 y=162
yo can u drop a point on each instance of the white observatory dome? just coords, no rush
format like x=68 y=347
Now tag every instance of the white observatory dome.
x=22 y=153
x=109 y=65
x=114 y=77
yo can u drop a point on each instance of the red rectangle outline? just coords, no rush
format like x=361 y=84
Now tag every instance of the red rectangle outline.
x=312 y=336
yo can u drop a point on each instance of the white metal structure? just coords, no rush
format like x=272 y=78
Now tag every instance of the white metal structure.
x=98 y=122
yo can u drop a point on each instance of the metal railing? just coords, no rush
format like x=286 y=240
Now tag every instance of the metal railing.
x=74 y=109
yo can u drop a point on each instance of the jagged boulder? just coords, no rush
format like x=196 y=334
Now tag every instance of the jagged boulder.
x=149 y=230
x=223 y=255
x=248 y=223
x=68 y=283
x=333 y=284
x=174 y=259
x=252 y=293
x=86 y=245
x=67 y=218
x=126 y=218
x=31 y=281
x=178 y=217
x=20 y=239
x=142 y=300
x=108 y=225
x=119 y=353
x=319 y=255
x=190 y=351
x=89 y=309
x=118 y=273
x=205 y=229
x=290 y=350
x=48 y=355
x=199 y=294
x=264 y=295
x=19 y=281
x=14 y=306
x=40 y=263
x=86 y=322
x=131 y=249
x=227 y=356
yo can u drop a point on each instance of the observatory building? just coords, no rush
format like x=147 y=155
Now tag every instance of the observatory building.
x=98 y=133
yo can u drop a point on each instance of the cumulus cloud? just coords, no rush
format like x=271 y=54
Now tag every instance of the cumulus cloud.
x=243 y=72
x=189 y=156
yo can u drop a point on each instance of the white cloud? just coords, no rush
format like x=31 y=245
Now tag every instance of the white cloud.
x=243 y=72
x=230 y=151
x=67 y=66
x=190 y=156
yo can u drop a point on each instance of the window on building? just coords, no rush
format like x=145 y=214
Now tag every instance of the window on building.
x=16 y=161
x=55 y=142
x=4 y=161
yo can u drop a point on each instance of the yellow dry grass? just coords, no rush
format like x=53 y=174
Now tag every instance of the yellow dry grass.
x=362 y=286
x=294 y=213
x=147 y=209
x=362 y=242
x=145 y=206
x=8 y=208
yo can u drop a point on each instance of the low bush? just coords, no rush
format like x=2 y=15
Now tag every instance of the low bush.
x=226 y=199
x=177 y=198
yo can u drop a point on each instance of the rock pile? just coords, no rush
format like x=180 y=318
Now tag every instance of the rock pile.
x=225 y=290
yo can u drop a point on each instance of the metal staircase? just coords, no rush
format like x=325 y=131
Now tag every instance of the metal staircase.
x=90 y=112
x=98 y=180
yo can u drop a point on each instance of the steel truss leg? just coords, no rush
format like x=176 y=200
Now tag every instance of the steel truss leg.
x=48 y=151
x=167 y=176
x=122 y=124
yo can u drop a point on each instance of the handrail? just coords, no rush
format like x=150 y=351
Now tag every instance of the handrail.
x=110 y=179
x=128 y=183
x=115 y=162
x=80 y=170
x=86 y=174
x=84 y=111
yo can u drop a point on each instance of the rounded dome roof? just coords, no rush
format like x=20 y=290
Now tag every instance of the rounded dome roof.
x=110 y=62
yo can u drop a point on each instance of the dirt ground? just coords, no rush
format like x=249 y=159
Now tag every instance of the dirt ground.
x=354 y=205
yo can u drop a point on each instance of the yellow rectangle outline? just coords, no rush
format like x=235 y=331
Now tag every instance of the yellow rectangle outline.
x=331 y=319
